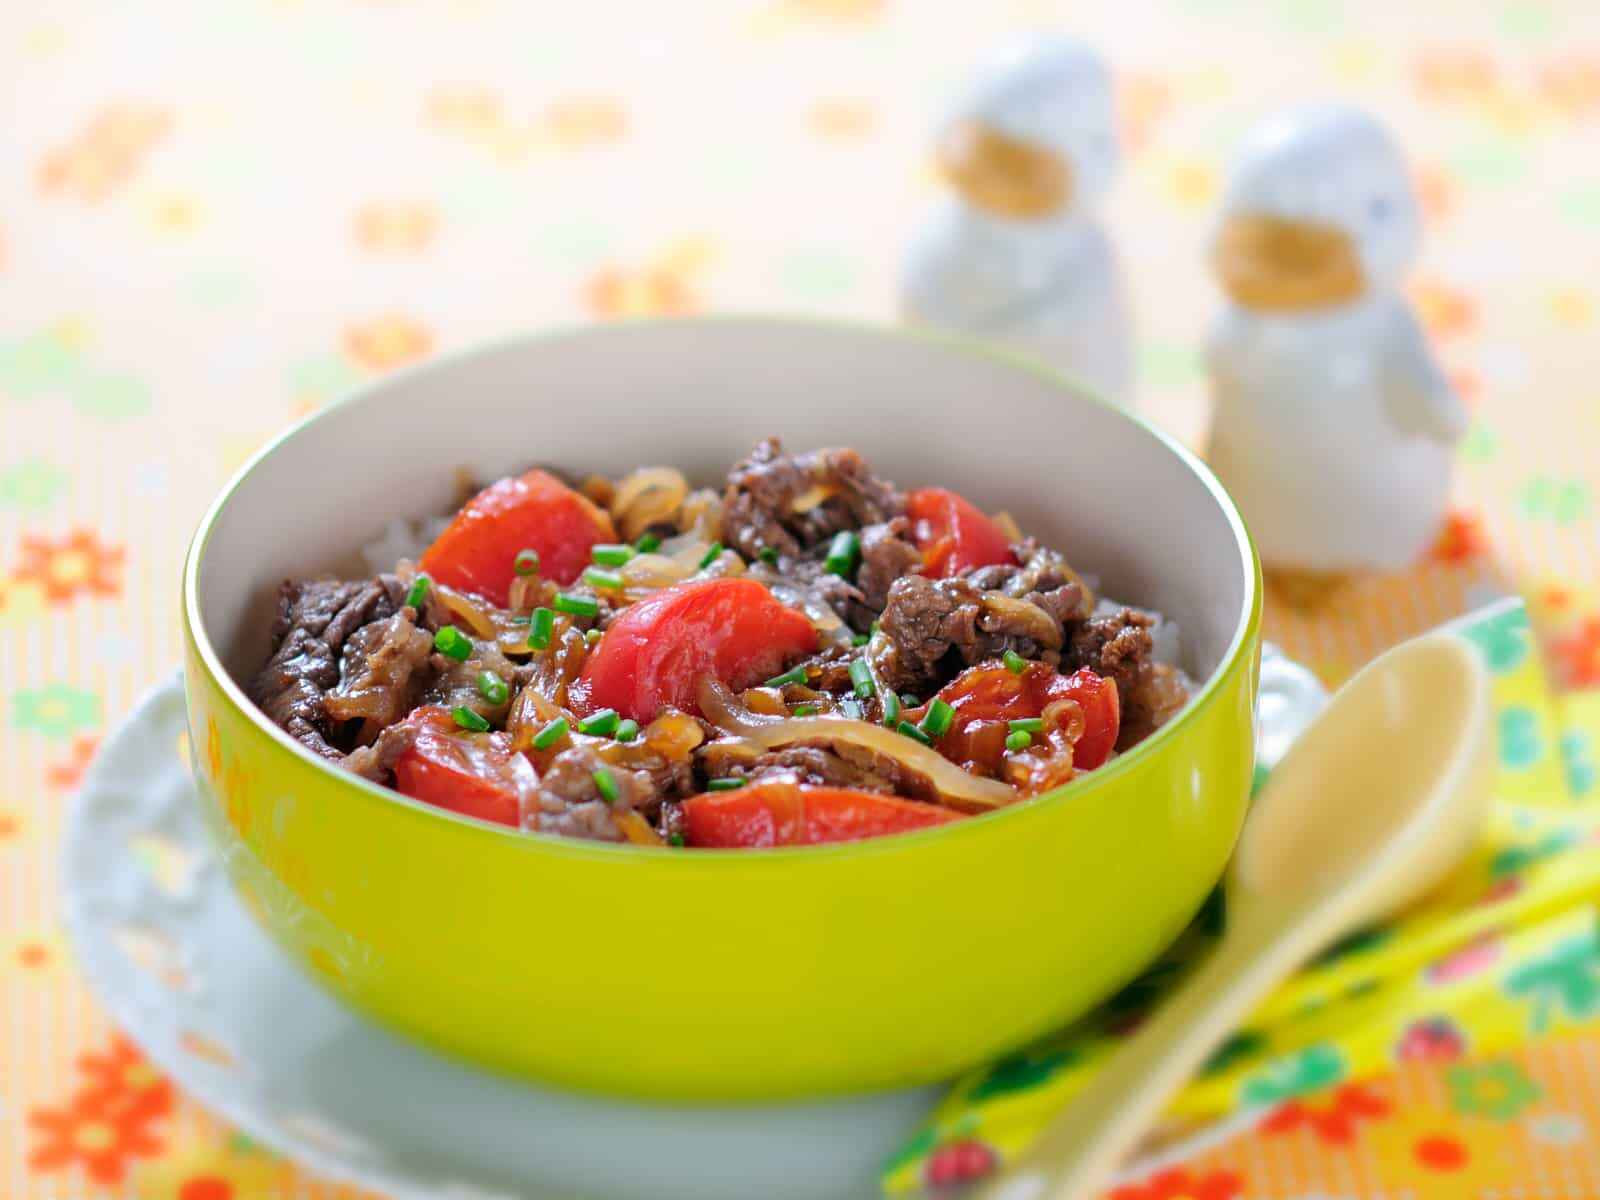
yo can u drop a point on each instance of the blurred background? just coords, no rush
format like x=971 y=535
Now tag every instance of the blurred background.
x=217 y=216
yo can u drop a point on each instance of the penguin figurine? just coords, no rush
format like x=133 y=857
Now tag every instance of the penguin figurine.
x=1013 y=252
x=1333 y=425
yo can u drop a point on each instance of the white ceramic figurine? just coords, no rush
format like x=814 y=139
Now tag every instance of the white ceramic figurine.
x=1014 y=253
x=1333 y=426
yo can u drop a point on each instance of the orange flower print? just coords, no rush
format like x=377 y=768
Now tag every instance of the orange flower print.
x=105 y=154
x=1572 y=84
x=840 y=119
x=1449 y=76
x=580 y=121
x=395 y=228
x=464 y=109
x=1578 y=654
x=661 y=288
x=1446 y=311
x=387 y=341
x=842 y=11
x=1436 y=192
x=121 y=1082
x=66 y=774
x=86 y=1134
x=1143 y=102
x=1181 y=1184
x=1462 y=540
x=79 y=564
x=1466 y=384
x=1335 y=1123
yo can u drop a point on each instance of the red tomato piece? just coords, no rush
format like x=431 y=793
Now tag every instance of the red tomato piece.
x=988 y=696
x=791 y=814
x=477 y=775
x=953 y=533
x=657 y=649
x=477 y=551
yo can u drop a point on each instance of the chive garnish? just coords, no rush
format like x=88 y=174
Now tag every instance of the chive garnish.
x=611 y=554
x=606 y=783
x=418 y=592
x=711 y=555
x=936 y=722
x=891 y=708
x=912 y=732
x=627 y=730
x=859 y=639
x=1015 y=663
x=526 y=562
x=551 y=734
x=804 y=710
x=492 y=688
x=578 y=606
x=842 y=553
x=468 y=719
x=861 y=676
x=724 y=785
x=675 y=839
x=768 y=555
x=1026 y=724
x=541 y=628
x=603 y=580
x=1021 y=739
x=648 y=541
x=792 y=675
x=452 y=643
x=602 y=724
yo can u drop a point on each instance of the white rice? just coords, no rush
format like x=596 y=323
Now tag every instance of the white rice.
x=401 y=539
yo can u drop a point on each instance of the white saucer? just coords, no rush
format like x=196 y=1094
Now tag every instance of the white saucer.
x=182 y=967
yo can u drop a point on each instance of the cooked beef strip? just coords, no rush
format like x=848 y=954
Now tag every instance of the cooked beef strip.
x=381 y=674
x=923 y=621
x=887 y=553
x=1116 y=646
x=455 y=684
x=570 y=803
x=758 y=504
x=316 y=617
x=376 y=762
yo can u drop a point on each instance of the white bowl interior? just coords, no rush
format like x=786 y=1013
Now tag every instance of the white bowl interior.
x=1118 y=501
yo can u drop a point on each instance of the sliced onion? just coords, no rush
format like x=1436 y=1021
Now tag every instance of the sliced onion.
x=649 y=496
x=636 y=829
x=1007 y=524
x=474 y=614
x=816 y=494
x=1021 y=617
x=701 y=515
x=956 y=788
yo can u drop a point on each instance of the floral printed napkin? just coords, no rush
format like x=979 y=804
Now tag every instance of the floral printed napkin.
x=1502 y=951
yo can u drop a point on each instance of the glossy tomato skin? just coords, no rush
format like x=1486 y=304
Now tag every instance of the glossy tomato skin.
x=478 y=549
x=791 y=814
x=954 y=534
x=988 y=696
x=654 y=652
x=477 y=775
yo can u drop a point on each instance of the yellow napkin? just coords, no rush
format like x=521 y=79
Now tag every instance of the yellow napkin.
x=1506 y=949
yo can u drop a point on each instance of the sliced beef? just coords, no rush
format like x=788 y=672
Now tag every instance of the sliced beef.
x=925 y=621
x=454 y=684
x=887 y=554
x=570 y=803
x=315 y=620
x=382 y=671
x=1115 y=645
x=838 y=765
x=793 y=503
x=376 y=761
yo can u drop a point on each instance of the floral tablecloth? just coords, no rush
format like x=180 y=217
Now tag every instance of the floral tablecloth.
x=217 y=215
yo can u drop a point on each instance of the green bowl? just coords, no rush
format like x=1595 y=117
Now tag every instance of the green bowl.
x=739 y=974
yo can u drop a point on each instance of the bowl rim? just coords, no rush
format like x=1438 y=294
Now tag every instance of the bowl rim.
x=1246 y=631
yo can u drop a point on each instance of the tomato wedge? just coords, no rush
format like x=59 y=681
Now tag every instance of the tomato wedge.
x=988 y=696
x=792 y=814
x=478 y=549
x=953 y=534
x=477 y=775
x=654 y=653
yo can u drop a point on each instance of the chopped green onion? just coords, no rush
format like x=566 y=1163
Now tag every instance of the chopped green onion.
x=891 y=708
x=592 y=636
x=418 y=592
x=711 y=555
x=602 y=724
x=452 y=643
x=602 y=580
x=908 y=700
x=936 y=722
x=1020 y=740
x=526 y=562
x=842 y=553
x=724 y=785
x=628 y=730
x=792 y=675
x=492 y=688
x=861 y=676
x=805 y=710
x=873 y=628
x=1026 y=724
x=611 y=554
x=578 y=606
x=912 y=732
x=851 y=707
x=675 y=839
x=768 y=555
x=468 y=719
x=542 y=629
x=648 y=541
x=1015 y=663
x=606 y=783
x=860 y=639
x=551 y=734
